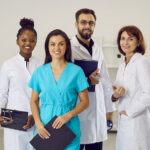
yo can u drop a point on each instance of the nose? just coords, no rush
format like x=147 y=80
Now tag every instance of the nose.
x=57 y=46
x=28 y=42
x=126 y=42
x=87 y=25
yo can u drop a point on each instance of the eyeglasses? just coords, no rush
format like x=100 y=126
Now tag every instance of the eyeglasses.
x=84 y=22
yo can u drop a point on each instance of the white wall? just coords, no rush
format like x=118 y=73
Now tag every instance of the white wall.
x=48 y=15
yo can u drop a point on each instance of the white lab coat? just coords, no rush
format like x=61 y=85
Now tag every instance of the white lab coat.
x=93 y=119
x=134 y=129
x=15 y=94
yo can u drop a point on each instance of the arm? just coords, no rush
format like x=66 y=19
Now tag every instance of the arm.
x=140 y=102
x=84 y=102
x=107 y=87
x=4 y=86
x=43 y=133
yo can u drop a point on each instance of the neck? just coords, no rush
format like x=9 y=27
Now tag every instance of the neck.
x=128 y=57
x=87 y=42
x=26 y=56
x=58 y=63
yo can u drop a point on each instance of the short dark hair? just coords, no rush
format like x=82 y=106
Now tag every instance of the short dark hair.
x=26 y=24
x=57 y=32
x=85 y=11
x=132 y=31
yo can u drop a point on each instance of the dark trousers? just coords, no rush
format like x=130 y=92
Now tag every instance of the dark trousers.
x=94 y=146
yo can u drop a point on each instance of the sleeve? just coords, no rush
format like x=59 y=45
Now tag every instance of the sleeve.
x=141 y=102
x=34 y=81
x=4 y=85
x=82 y=83
x=107 y=88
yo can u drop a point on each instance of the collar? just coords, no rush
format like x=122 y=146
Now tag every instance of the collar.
x=134 y=57
x=21 y=58
x=85 y=45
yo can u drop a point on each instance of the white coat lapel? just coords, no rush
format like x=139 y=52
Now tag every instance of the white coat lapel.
x=80 y=50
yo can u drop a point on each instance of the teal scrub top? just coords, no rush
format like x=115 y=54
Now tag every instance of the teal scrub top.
x=61 y=97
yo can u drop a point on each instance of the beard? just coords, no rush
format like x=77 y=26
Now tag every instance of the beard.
x=85 y=36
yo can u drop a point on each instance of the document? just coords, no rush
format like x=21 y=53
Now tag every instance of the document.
x=18 y=119
x=88 y=67
x=58 y=140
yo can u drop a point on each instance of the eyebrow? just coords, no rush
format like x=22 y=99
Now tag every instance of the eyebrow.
x=59 y=42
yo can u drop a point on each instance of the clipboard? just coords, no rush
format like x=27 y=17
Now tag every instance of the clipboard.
x=88 y=67
x=18 y=118
x=58 y=140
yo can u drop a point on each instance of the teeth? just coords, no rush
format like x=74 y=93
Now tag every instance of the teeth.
x=57 y=52
x=27 y=47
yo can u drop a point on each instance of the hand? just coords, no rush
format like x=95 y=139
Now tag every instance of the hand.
x=123 y=112
x=93 y=80
x=61 y=120
x=118 y=91
x=43 y=133
x=109 y=116
x=5 y=121
x=30 y=122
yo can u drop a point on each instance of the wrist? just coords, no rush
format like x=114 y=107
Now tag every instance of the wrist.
x=114 y=99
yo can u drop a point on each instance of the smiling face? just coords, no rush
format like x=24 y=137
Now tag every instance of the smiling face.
x=57 y=47
x=26 y=42
x=85 y=26
x=128 y=43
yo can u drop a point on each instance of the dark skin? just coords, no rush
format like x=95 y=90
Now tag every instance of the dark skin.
x=26 y=42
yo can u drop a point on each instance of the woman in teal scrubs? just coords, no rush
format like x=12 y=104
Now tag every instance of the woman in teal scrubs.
x=57 y=84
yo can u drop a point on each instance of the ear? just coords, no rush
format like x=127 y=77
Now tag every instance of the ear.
x=76 y=24
x=17 y=41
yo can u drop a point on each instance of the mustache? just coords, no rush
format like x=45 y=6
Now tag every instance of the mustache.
x=87 y=30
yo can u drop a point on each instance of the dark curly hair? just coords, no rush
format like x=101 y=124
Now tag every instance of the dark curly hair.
x=26 y=24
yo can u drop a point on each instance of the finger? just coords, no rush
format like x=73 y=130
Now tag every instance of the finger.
x=55 y=123
x=41 y=135
x=114 y=87
x=95 y=72
x=98 y=74
x=59 y=125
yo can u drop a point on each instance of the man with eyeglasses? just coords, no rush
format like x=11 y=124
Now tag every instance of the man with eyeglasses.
x=93 y=119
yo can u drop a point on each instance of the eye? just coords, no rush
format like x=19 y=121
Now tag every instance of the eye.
x=52 y=44
x=23 y=40
x=122 y=38
x=61 y=44
x=91 y=23
x=130 y=38
x=32 y=41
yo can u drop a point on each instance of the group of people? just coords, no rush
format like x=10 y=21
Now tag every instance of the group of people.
x=61 y=88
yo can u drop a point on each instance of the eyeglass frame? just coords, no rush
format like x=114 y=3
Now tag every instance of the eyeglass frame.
x=84 y=22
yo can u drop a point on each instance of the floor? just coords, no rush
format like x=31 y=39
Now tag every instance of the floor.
x=108 y=145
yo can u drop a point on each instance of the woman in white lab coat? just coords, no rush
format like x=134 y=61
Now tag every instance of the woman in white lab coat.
x=14 y=91
x=132 y=89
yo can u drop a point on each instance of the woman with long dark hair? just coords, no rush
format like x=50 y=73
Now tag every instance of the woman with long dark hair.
x=57 y=84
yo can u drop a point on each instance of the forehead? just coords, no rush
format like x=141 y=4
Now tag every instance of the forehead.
x=88 y=17
x=56 y=38
x=27 y=33
x=127 y=33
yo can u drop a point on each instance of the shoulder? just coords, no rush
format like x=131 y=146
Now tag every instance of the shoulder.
x=36 y=61
x=141 y=61
x=9 y=62
x=75 y=68
x=43 y=68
